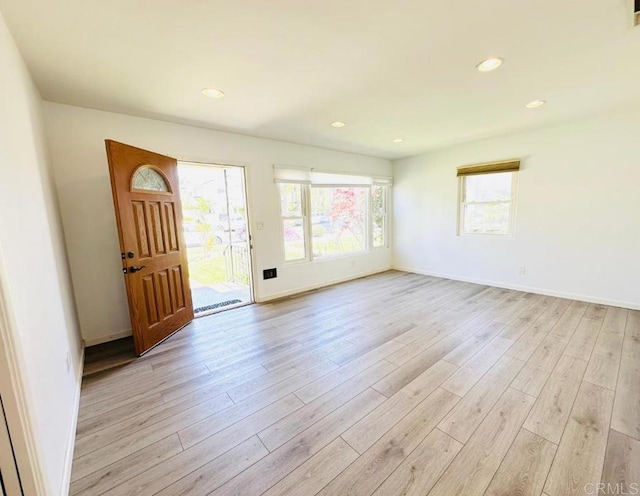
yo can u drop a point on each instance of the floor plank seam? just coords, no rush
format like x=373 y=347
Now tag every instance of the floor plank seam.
x=264 y=445
x=540 y=435
x=341 y=471
x=564 y=347
x=507 y=450
x=216 y=457
x=350 y=446
x=378 y=391
x=277 y=350
x=603 y=387
x=509 y=386
x=435 y=482
x=294 y=393
x=147 y=425
x=553 y=460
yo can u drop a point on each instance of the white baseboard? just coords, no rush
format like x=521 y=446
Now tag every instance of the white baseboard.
x=107 y=338
x=304 y=289
x=527 y=289
x=271 y=297
x=71 y=442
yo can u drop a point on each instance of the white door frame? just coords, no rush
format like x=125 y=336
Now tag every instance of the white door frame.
x=15 y=400
x=248 y=210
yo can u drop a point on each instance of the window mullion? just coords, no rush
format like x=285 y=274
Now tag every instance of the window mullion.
x=368 y=222
x=387 y=231
x=306 y=212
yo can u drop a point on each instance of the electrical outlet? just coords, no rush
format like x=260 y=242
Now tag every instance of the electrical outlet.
x=521 y=270
x=259 y=225
x=269 y=273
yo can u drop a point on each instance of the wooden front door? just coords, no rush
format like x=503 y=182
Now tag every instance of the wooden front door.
x=146 y=196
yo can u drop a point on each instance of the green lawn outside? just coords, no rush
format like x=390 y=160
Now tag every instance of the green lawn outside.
x=330 y=247
x=207 y=271
x=323 y=247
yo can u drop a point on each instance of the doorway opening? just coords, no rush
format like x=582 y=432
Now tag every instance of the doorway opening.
x=216 y=233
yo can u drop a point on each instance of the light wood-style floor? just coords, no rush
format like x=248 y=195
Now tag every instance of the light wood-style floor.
x=396 y=384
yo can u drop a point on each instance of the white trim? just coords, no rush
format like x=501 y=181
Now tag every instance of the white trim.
x=250 y=230
x=304 y=289
x=107 y=338
x=382 y=180
x=16 y=403
x=303 y=217
x=250 y=240
x=248 y=223
x=297 y=174
x=71 y=442
x=527 y=289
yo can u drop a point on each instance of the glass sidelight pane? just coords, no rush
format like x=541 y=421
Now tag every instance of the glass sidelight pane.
x=294 y=245
x=291 y=200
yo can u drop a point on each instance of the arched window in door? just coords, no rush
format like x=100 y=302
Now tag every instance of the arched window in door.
x=146 y=178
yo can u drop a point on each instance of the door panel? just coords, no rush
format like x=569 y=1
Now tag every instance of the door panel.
x=172 y=228
x=177 y=278
x=157 y=228
x=146 y=196
x=141 y=229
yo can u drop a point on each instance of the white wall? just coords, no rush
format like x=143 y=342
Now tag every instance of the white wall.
x=34 y=274
x=577 y=220
x=76 y=138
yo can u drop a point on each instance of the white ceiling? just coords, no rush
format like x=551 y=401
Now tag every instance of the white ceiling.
x=403 y=68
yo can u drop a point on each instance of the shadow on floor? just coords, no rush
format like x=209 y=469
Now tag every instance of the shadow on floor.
x=120 y=352
x=107 y=356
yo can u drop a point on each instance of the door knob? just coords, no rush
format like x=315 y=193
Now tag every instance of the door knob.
x=133 y=270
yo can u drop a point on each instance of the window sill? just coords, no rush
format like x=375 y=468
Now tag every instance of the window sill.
x=326 y=258
x=322 y=258
x=486 y=235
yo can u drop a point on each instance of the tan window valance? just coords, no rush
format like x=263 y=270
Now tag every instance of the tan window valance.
x=490 y=168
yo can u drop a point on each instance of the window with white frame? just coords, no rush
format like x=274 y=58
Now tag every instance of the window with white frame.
x=487 y=199
x=294 y=221
x=327 y=215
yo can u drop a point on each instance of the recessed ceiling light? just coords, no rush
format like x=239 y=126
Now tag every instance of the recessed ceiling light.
x=338 y=124
x=535 y=104
x=398 y=140
x=490 y=64
x=213 y=92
